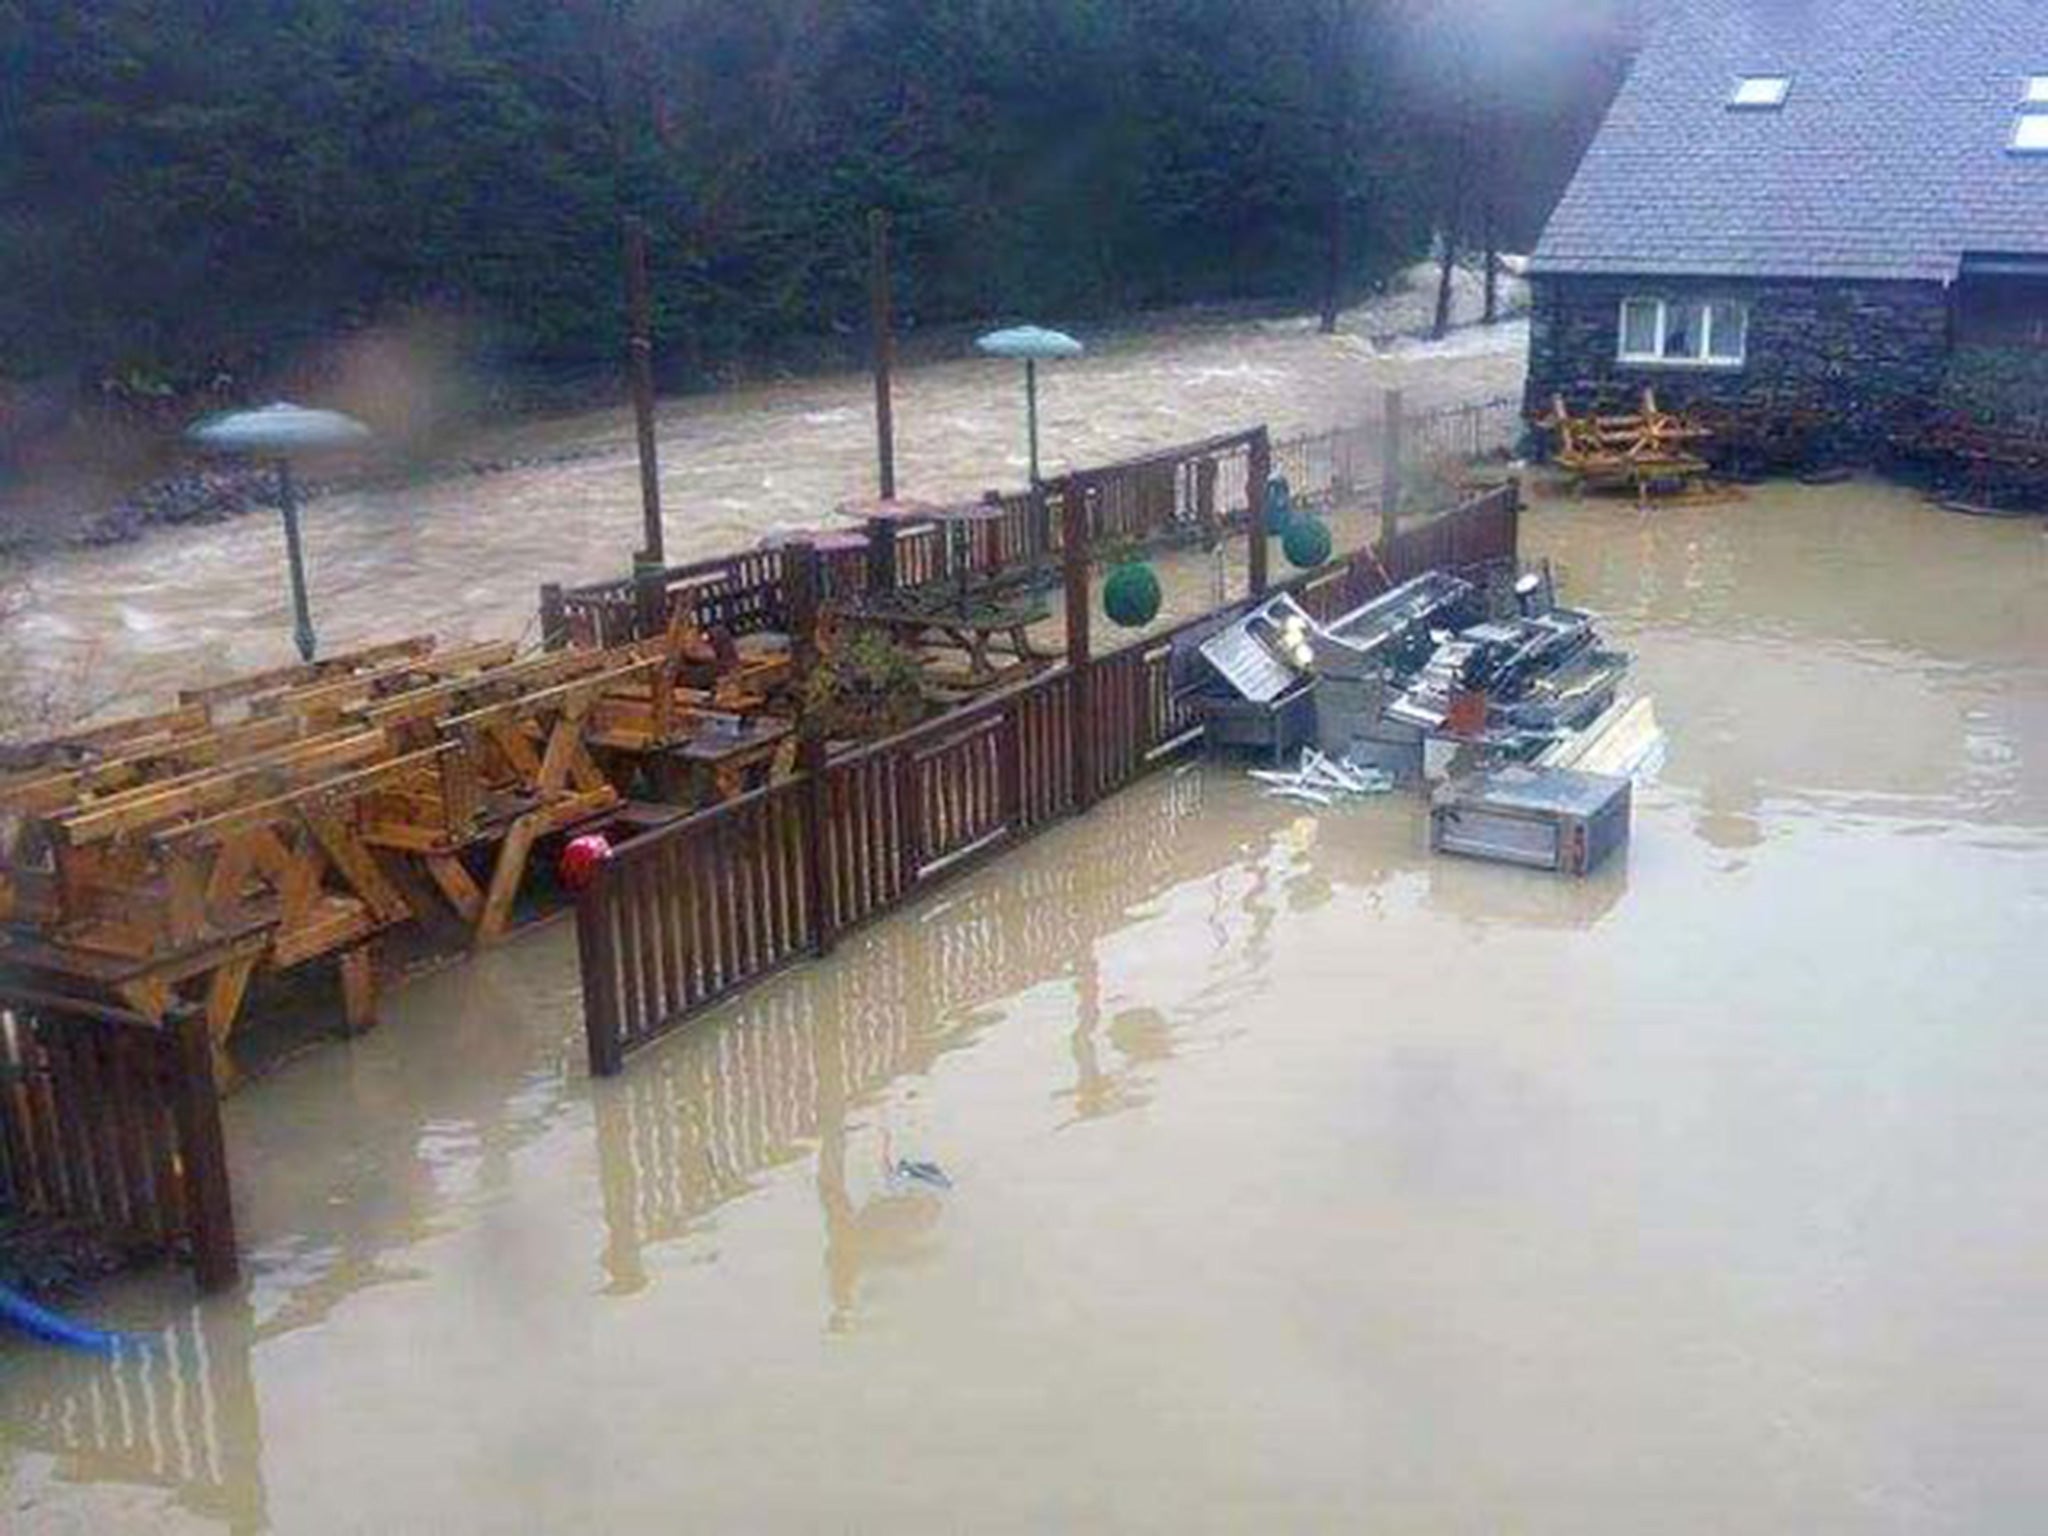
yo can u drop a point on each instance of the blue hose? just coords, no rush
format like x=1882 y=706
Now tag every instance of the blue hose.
x=53 y=1327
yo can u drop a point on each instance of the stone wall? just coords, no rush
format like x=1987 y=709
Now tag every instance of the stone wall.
x=1854 y=351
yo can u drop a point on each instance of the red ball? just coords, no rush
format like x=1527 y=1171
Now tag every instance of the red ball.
x=582 y=859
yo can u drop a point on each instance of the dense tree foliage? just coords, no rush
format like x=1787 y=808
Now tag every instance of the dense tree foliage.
x=191 y=184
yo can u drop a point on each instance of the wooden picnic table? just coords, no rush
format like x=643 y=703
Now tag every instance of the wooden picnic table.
x=726 y=757
x=977 y=626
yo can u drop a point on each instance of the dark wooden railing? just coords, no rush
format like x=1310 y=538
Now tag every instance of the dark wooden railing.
x=686 y=916
x=1176 y=495
x=1157 y=499
x=109 y=1123
x=697 y=1123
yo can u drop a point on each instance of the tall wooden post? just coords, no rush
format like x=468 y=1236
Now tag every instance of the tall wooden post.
x=1074 y=553
x=640 y=368
x=554 y=616
x=1257 y=472
x=805 y=579
x=881 y=555
x=1391 y=453
x=202 y=1150
x=883 y=325
x=650 y=600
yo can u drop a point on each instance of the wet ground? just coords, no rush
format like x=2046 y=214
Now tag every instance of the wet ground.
x=1299 y=1181
x=465 y=557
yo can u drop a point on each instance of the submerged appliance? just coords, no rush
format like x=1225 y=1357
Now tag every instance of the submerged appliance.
x=1558 y=819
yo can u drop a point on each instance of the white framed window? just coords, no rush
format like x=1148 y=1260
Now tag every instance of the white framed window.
x=1760 y=93
x=1700 y=333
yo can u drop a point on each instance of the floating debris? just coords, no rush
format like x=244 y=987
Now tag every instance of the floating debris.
x=1324 y=781
x=909 y=1170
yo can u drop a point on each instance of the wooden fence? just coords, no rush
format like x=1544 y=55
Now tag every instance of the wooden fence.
x=1175 y=495
x=689 y=915
x=695 y=1125
x=109 y=1123
x=1161 y=498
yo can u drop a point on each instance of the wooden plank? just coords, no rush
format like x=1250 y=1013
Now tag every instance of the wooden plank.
x=455 y=883
x=336 y=696
x=202 y=1154
x=299 y=673
x=155 y=805
x=283 y=808
x=506 y=874
x=450 y=699
x=331 y=923
x=185 y=720
x=356 y=864
x=225 y=989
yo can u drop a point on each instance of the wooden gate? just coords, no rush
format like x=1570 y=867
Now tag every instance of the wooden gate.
x=109 y=1121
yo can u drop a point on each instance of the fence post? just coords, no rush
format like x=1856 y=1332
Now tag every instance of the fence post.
x=595 y=959
x=1391 y=451
x=554 y=617
x=806 y=590
x=881 y=534
x=1514 y=506
x=650 y=600
x=1258 y=470
x=195 y=1109
x=1074 y=559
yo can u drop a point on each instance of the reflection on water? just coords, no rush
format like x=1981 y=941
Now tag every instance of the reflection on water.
x=180 y=1415
x=1295 y=1173
x=698 y=1124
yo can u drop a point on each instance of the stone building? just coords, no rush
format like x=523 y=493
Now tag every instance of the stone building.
x=1840 y=204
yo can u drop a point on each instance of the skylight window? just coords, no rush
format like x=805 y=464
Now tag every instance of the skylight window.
x=1761 y=93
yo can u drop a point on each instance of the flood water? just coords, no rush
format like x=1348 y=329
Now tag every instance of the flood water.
x=465 y=557
x=1299 y=1180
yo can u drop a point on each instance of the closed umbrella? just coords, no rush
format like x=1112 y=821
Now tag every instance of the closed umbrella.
x=279 y=432
x=1033 y=344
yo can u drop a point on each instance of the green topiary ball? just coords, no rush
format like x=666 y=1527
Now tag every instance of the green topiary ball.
x=1130 y=595
x=1306 y=543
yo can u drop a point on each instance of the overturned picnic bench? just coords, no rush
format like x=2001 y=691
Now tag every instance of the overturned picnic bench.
x=1652 y=454
x=279 y=819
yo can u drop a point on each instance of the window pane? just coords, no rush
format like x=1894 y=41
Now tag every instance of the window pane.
x=2032 y=133
x=1728 y=335
x=2037 y=90
x=1760 y=91
x=1685 y=331
x=1639 y=328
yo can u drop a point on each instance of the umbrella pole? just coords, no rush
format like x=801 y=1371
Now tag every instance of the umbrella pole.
x=1031 y=412
x=295 y=557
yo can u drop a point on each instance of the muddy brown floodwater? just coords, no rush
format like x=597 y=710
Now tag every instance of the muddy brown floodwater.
x=1299 y=1181
x=465 y=557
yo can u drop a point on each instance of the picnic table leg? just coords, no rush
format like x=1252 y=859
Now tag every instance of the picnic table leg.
x=225 y=989
x=359 y=988
x=455 y=885
x=511 y=869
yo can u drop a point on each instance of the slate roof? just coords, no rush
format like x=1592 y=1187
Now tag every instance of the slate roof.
x=1889 y=158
